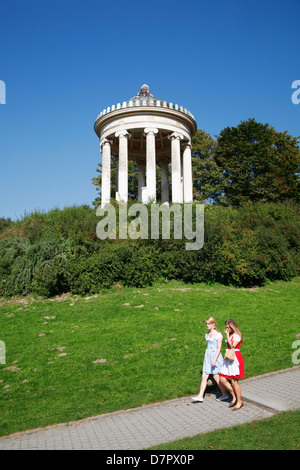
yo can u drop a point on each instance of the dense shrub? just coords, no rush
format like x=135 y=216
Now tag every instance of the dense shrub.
x=50 y=266
x=15 y=266
x=55 y=252
x=33 y=267
x=138 y=264
x=88 y=274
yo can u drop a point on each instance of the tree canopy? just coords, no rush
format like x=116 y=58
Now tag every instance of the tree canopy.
x=258 y=163
x=207 y=176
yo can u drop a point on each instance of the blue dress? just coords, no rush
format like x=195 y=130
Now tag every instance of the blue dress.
x=212 y=347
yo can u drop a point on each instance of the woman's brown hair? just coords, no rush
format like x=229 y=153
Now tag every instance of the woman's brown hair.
x=232 y=324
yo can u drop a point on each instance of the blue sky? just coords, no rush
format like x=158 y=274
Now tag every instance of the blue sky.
x=64 y=61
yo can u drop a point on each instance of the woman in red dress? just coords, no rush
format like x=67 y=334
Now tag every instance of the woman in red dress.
x=233 y=370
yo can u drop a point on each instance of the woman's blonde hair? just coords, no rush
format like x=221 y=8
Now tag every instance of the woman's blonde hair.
x=212 y=320
x=232 y=324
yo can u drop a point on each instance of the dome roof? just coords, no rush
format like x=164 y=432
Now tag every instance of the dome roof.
x=144 y=99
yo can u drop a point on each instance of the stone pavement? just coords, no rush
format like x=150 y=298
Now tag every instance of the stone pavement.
x=158 y=423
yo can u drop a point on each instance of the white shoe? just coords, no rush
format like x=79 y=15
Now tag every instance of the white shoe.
x=197 y=399
x=223 y=399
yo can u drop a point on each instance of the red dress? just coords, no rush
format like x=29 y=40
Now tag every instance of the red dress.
x=235 y=369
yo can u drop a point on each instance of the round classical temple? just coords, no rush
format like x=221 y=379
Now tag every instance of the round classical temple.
x=147 y=130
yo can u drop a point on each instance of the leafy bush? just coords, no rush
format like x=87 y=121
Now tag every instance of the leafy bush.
x=59 y=251
x=137 y=263
x=50 y=260
x=15 y=267
x=90 y=274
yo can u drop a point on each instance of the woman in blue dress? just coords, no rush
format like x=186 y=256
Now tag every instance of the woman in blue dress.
x=213 y=360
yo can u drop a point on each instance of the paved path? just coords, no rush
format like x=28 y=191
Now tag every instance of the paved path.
x=150 y=425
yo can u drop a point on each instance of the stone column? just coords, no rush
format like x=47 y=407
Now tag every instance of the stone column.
x=187 y=173
x=181 y=174
x=141 y=178
x=122 y=195
x=106 y=171
x=150 y=164
x=176 y=168
x=117 y=176
x=165 y=181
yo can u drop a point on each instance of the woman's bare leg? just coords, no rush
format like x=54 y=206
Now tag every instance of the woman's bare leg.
x=238 y=393
x=203 y=386
x=220 y=385
x=227 y=385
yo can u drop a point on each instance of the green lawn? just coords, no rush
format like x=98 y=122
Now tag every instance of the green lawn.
x=280 y=432
x=127 y=347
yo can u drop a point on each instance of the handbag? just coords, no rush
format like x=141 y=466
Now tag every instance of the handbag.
x=229 y=355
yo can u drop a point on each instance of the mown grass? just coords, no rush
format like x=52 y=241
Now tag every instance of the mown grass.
x=150 y=341
x=280 y=432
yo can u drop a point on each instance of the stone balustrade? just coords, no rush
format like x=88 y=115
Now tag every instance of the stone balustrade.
x=144 y=102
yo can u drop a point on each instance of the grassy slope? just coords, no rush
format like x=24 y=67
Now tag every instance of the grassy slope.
x=280 y=432
x=153 y=347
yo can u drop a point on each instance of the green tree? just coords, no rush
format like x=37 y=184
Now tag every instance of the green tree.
x=208 y=179
x=4 y=223
x=258 y=163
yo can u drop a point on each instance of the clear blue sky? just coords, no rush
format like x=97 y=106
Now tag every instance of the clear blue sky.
x=63 y=61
